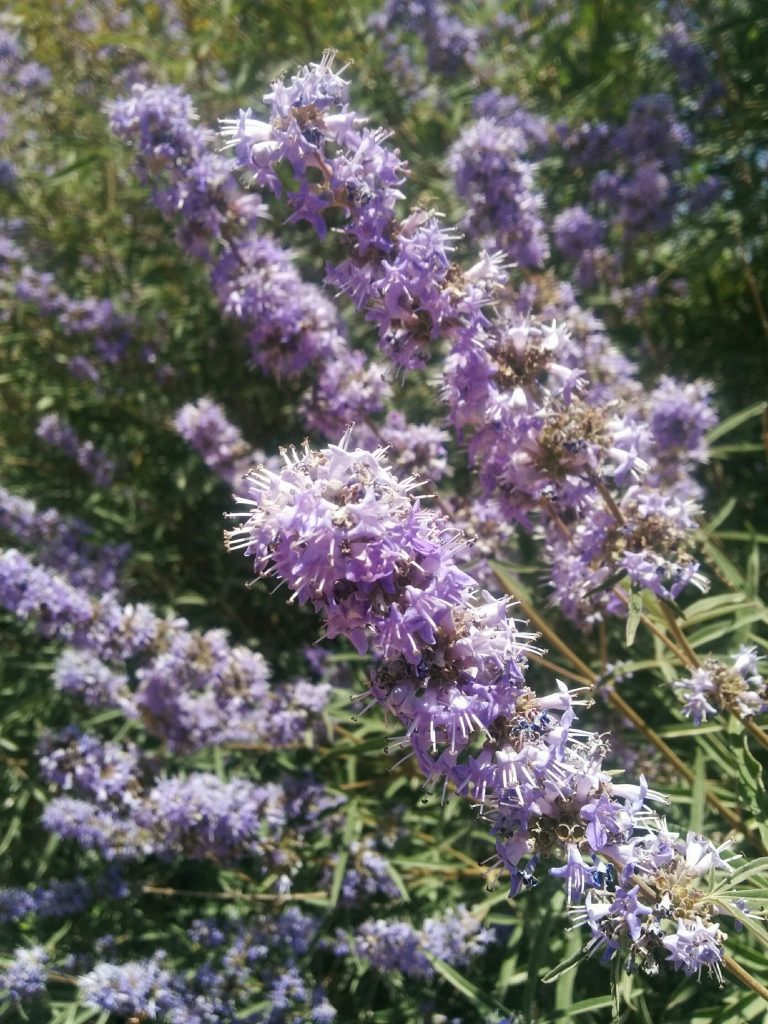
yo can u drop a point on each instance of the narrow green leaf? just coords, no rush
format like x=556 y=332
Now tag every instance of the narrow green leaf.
x=721 y=515
x=467 y=988
x=698 y=793
x=583 y=1006
x=732 y=422
x=351 y=828
x=565 y=966
x=634 y=611
x=397 y=878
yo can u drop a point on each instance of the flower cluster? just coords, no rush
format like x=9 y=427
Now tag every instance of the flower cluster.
x=97 y=322
x=346 y=536
x=56 y=899
x=496 y=183
x=716 y=686
x=293 y=330
x=54 y=431
x=675 y=923
x=231 y=804
x=449 y=43
x=556 y=420
x=190 y=689
x=63 y=543
x=388 y=945
x=397 y=271
x=112 y=802
x=219 y=443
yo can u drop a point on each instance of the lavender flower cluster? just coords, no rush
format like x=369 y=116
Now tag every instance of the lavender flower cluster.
x=348 y=537
x=219 y=443
x=63 y=543
x=293 y=330
x=716 y=686
x=97 y=321
x=192 y=770
x=54 y=431
x=455 y=939
x=449 y=43
x=556 y=423
x=632 y=176
x=191 y=689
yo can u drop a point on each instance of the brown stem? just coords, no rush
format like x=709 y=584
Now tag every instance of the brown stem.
x=559 y=669
x=731 y=816
x=751 y=727
x=651 y=626
x=233 y=894
x=745 y=977
x=637 y=720
x=691 y=655
x=755 y=732
x=610 y=501
x=546 y=631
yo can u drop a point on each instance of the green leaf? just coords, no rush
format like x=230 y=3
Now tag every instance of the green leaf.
x=583 y=1006
x=698 y=793
x=565 y=966
x=752 y=788
x=721 y=515
x=397 y=878
x=750 y=923
x=634 y=611
x=467 y=988
x=732 y=422
x=352 y=826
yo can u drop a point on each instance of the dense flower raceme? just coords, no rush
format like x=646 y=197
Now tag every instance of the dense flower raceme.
x=634 y=174
x=56 y=899
x=351 y=539
x=717 y=686
x=63 y=543
x=219 y=443
x=22 y=82
x=54 y=431
x=504 y=210
x=97 y=322
x=397 y=271
x=190 y=689
x=449 y=43
x=456 y=939
x=550 y=417
x=114 y=802
x=293 y=329
x=256 y=953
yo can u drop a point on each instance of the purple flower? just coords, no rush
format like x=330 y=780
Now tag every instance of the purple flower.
x=695 y=946
x=205 y=427
x=94 y=462
x=63 y=543
x=504 y=209
x=738 y=688
x=25 y=976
